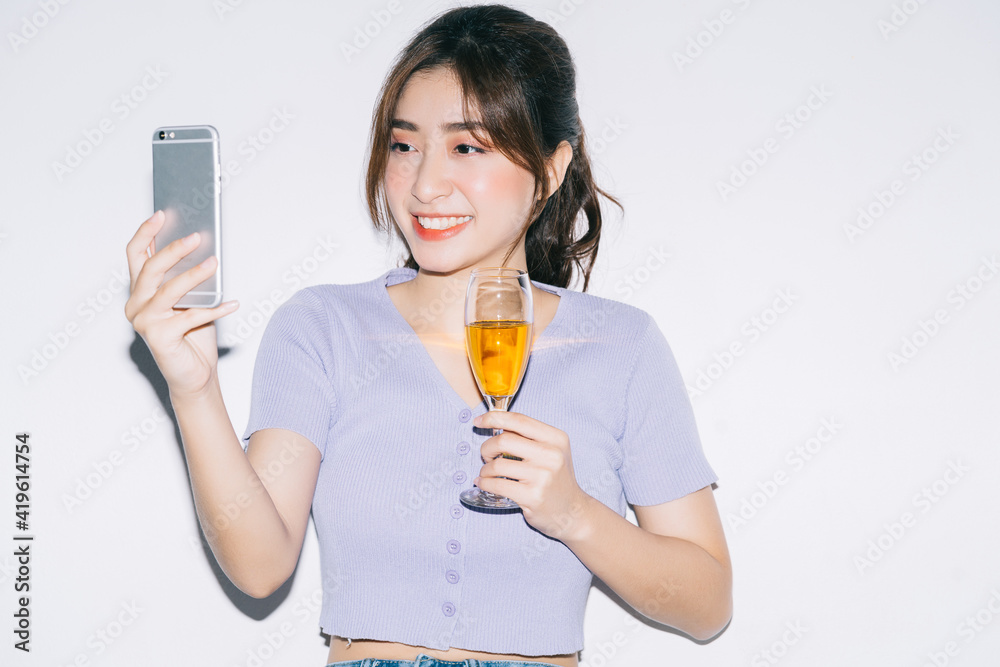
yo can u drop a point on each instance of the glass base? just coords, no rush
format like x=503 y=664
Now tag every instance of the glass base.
x=476 y=497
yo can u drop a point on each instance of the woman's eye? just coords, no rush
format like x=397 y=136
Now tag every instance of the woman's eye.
x=466 y=149
x=400 y=147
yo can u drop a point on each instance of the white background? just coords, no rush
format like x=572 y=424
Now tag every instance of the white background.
x=839 y=559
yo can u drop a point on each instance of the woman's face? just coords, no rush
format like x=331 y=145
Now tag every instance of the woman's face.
x=458 y=203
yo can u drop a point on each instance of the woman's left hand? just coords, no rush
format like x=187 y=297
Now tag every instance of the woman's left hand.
x=542 y=482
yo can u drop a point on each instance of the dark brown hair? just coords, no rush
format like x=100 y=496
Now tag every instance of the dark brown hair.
x=518 y=73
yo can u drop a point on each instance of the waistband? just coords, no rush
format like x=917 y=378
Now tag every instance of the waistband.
x=427 y=661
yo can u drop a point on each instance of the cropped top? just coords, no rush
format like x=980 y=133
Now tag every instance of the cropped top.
x=402 y=559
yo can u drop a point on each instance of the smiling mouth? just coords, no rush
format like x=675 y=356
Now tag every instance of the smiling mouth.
x=442 y=223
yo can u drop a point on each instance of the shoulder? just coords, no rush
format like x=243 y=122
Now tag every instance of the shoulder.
x=329 y=309
x=615 y=322
x=599 y=337
x=333 y=298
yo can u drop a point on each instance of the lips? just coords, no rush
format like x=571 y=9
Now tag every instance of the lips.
x=441 y=222
x=439 y=228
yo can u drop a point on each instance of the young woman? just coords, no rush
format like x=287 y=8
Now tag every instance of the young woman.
x=365 y=410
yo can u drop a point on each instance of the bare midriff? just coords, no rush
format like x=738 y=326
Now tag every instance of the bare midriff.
x=359 y=649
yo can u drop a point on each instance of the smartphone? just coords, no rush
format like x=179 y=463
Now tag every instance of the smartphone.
x=187 y=188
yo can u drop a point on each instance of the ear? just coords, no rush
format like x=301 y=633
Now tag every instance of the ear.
x=558 y=164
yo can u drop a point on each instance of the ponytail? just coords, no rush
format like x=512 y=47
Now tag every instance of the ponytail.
x=558 y=247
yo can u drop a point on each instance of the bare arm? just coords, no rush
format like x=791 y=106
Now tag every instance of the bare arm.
x=674 y=567
x=254 y=506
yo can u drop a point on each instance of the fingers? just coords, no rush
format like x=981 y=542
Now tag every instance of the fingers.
x=508 y=488
x=183 y=321
x=510 y=444
x=160 y=305
x=142 y=245
x=152 y=272
x=146 y=273
x=536 y=442
x=518 y=423
x=510 y=468
x=172 y=290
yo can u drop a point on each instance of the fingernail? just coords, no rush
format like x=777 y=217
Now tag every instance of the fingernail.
x=191 y=238
x=208 y=261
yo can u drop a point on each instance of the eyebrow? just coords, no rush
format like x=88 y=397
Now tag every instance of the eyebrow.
x=464 y=126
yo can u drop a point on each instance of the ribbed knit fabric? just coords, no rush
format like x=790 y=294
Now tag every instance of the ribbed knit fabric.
x=402 y=559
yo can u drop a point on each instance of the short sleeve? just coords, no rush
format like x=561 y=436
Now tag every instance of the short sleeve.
x=662 y=457
x=292 y=386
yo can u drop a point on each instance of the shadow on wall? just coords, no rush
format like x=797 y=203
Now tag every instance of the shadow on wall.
x=640 y=622
x=254 y=608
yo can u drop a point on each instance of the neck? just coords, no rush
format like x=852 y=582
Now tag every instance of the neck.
x=436 y=301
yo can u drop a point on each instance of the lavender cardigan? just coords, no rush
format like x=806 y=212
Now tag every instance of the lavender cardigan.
x=402 y=559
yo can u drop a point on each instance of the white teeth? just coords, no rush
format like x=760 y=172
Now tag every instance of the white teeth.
x=442 y=223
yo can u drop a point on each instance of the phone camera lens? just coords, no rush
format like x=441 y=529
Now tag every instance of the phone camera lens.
x=162 y=134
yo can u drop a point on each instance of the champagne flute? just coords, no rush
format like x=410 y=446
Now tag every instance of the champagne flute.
x=498 y=319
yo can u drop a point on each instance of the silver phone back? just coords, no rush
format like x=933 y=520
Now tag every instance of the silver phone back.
x=186 y=187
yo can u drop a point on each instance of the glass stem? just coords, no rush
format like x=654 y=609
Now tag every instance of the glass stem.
x=499 y=404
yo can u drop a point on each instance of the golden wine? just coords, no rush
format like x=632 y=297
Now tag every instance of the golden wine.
x=498 y=351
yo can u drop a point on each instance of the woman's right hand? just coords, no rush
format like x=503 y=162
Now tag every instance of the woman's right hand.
x=182 y=341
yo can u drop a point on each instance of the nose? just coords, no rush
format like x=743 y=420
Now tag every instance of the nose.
x=431 y=179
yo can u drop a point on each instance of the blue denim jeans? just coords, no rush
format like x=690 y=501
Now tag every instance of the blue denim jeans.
x=426 y=661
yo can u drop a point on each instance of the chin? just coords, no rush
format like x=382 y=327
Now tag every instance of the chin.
x=438 y=266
